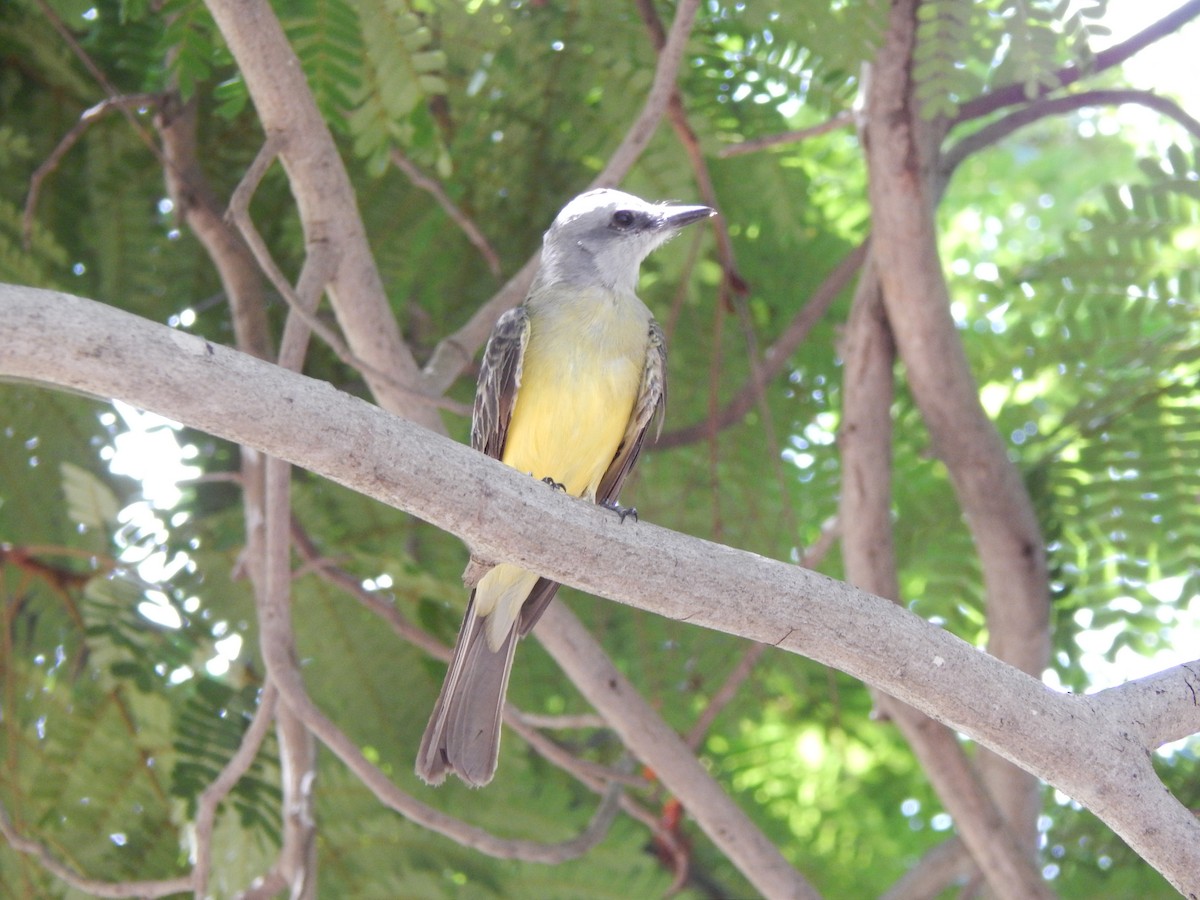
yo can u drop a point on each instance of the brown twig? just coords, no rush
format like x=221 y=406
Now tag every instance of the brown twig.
x=1014 y=94
x=237 y=766
x=434 y=188
x=841 y=120
x=49 y=165
x=320 y=256
x=150 y=888
x=996 y=131
x=776 y=356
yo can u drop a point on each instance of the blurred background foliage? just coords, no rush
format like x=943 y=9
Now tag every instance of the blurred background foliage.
x=129 y=669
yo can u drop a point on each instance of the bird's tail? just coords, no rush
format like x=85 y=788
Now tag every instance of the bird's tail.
x=463 y=734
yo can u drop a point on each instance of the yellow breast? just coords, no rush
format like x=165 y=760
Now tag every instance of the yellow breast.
x=580 y=378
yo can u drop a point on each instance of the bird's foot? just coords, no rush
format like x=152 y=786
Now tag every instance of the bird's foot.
x=622 y=511
x=557 y=485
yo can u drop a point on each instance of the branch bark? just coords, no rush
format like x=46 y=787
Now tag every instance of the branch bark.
x=865 y=440
x=325 y=200
x=901 y=162
x=1089 y=747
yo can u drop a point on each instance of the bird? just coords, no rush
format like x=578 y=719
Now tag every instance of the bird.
x=569 y=385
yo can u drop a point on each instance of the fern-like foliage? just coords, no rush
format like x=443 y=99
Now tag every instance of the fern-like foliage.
x=328 y=40
x=403 y=68
x=1102 y=405
x=948 y=37
x=963 y=47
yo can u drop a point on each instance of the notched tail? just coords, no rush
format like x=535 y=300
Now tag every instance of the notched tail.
x=463 y=734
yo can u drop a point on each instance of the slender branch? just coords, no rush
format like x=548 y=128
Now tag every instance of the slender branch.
x=49 y=165
x=237 y=766
x=644 y=732
x=865 y=440
x=841 y=120
x=1069 y=741
x=776 y=357
x=666 y=73
x=196 y=205
x=100 y=78
x=434 y=188
x=901 y=158
x=946 y=864
x=321 y=258
x=996 y=131
x=325 y=202
x=1014 y=94
x=91 y=886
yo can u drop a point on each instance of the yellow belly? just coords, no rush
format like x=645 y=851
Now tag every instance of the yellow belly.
x=574 y=404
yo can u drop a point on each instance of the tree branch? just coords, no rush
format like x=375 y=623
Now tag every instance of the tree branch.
x=91 y=886
x=658 y=746
x=776 y=356
x=901 y=161
x=865 y=439
x=433 y=187
x=325 y=200
x=841 y=120
x=996 y=131
x=1070 y=741
x=1014 y=94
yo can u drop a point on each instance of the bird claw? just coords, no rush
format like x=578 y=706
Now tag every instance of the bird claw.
x=557 y=485
x=622 y=511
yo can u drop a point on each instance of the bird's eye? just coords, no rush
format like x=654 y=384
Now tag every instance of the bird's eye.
x=623 y=218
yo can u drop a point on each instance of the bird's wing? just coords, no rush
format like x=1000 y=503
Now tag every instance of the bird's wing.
x=499 y=379
x=651 y=401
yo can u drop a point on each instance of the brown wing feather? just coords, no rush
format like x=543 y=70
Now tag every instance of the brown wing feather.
x=499 y=379
x=651 y=400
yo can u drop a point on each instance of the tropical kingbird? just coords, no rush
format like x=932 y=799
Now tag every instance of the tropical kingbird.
x=569 y=384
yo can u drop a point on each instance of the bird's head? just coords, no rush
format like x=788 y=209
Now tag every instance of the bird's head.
x=602 y=236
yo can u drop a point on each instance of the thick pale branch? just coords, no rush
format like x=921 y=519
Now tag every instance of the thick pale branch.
x=324 y=198
x=901 y=163
x=80 y=345
x=865 y=439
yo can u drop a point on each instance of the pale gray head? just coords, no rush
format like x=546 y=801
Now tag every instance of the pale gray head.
x=601 y=237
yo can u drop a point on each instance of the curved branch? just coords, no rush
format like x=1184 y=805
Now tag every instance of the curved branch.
x=994 y=132
x=325 y=200
x=1067 y=740
x=117 y=889
x=776 y=356
x=1014 y=94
